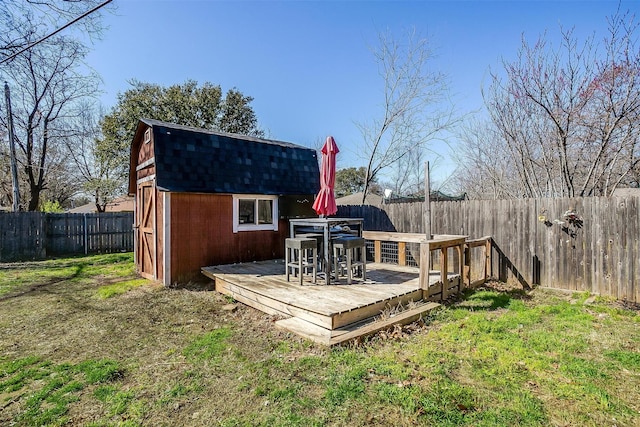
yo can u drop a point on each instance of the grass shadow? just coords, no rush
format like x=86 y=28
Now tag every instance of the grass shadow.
x=492 y=296
x=44 y=276
x=31 y=289
x=505 y=265
x=78 y=269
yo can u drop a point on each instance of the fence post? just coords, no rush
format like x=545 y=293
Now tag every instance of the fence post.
x=86 y=240
x=45 y=233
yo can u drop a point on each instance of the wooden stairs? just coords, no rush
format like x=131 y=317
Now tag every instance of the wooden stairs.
x=359 y=329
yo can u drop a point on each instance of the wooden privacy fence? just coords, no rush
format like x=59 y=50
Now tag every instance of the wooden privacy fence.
x=578 y=244
x=35 y=235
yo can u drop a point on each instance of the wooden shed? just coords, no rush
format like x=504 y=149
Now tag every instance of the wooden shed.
x=209 y=198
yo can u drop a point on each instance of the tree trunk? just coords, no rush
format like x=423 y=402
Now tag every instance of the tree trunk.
x=34 y=201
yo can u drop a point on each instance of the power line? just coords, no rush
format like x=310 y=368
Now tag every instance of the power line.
x=68 y=24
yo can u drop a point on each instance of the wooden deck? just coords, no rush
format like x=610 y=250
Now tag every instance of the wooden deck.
x=328 y=314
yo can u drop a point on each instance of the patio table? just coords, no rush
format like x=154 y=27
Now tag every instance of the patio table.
x=329 y=227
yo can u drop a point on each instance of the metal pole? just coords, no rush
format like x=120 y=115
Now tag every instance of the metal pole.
x=427 y=202
x=12 y=150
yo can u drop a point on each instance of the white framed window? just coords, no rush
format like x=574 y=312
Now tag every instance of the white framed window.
x=252 y=212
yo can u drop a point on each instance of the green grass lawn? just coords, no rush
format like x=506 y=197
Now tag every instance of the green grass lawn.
x=84 y=342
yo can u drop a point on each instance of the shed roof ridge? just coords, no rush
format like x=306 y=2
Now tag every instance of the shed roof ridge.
x=154 y=122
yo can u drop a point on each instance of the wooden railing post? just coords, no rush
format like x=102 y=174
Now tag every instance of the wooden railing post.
x=460 y=261
x=485 y=265
x=424 y=269
x=377 y=251
x=460 y=269
x=467 y=265
x=488 y=263
x=402 y=253
x=444 y=268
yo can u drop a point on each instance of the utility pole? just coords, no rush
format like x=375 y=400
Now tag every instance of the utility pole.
x=12 y=150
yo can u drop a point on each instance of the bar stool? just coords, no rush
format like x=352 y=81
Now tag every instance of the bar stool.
x=319 y=238
x=349 y=254
x=297 y=256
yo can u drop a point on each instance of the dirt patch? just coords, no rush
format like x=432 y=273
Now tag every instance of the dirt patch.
x=628 y=305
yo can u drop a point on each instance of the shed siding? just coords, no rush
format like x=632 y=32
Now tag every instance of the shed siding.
x=159 y=232
x=146 y=150
x=148 y=171
x=202 y=235
x=145 y=154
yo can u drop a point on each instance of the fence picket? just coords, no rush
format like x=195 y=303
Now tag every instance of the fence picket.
x=601 y=255
x=36 y=235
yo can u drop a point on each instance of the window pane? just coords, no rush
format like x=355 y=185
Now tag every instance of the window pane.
x=265 y=211
x=246 y=211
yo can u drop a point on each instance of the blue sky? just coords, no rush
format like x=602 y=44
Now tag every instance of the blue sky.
x=308 y=65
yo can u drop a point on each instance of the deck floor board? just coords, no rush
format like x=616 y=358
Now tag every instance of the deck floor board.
x=267 y=278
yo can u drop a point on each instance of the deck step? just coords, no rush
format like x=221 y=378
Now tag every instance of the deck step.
x=355 y=330
x=357 y=314
x=334 y=320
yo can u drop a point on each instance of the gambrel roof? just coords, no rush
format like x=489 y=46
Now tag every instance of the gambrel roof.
x=189 y=159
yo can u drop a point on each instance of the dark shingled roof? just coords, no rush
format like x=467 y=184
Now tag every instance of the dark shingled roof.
x=197 y=160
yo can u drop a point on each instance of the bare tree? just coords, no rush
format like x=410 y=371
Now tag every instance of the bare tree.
x=63 y=184
x=47 y=80
x=566 y=118
x=484 y=168
x=407 y=174
x=97 y=172
x=47 y=15
x=414 y=108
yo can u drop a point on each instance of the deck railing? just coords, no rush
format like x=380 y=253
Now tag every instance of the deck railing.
x=482 y=260
x=414 y=249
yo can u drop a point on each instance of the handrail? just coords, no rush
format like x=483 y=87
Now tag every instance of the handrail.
x=472 y=243
x=387 y=236
x=440 y=243
x=485 y=243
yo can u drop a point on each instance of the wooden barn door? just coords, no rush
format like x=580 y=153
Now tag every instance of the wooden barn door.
x=146 y=225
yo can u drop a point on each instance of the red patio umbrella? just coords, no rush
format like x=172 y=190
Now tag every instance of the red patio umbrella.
x=325 y=203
